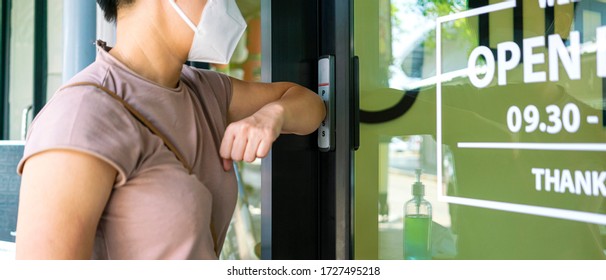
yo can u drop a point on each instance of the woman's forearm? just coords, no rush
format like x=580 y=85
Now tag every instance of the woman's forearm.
x=302 y=110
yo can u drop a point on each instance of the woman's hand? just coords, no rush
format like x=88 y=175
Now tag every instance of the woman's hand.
x=252 y=137
x=260 y=112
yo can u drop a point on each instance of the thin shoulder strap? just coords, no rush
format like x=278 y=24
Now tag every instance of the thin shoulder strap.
x=141 y=119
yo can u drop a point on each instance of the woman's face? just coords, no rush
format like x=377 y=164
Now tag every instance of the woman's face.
x=216 y=34
x=192 y=8
x=180 y=32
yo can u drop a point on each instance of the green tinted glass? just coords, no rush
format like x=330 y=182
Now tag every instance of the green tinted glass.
x=500 y=103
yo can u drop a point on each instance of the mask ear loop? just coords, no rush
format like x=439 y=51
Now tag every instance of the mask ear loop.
x=183 y=16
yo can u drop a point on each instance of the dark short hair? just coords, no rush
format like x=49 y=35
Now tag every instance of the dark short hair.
x=110 y=7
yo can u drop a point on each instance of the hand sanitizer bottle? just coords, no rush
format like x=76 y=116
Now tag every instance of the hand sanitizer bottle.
x=417 y=224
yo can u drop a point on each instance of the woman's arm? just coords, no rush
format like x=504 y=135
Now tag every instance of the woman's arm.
x=63 y=194
x=259 y=112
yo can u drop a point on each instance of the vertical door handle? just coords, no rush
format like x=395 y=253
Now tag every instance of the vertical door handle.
x=24 y=121
x=326 y=90
x=356 y=103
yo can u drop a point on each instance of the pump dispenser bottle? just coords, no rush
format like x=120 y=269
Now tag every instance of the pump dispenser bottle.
x=417 y=224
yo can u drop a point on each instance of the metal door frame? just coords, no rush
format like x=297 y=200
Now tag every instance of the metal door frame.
x=307 y=195
x=4 y=67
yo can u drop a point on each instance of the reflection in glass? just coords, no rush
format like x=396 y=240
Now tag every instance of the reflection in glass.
x=406 y=155
x=480 y=209
x=417 y=223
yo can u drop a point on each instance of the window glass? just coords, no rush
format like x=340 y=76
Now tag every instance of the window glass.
x=500 y=104
x=21 y=61
x=3 y=40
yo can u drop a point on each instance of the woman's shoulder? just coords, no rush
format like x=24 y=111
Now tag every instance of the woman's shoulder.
x=96 y=72
x=80 y=99
x=206 y=78
x=86 y=119
x=209 y=84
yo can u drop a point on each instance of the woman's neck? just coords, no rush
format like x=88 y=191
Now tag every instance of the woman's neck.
x=146 y=50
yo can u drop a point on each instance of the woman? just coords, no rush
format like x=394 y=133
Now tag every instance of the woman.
x=100 y=182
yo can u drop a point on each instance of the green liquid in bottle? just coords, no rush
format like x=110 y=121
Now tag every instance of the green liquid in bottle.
x=417 y=230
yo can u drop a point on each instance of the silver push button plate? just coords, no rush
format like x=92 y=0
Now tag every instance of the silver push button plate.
x=326 y=132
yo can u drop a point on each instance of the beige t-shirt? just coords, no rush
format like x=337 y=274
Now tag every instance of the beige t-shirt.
x=156 y=209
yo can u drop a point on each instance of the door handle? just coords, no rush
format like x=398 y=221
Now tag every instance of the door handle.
x=356 y=103
x=326 y=90
x=24 y=121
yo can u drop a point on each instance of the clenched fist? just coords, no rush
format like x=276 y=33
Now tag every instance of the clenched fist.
x=252 y=137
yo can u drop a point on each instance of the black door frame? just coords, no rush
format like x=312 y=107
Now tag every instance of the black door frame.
x=306 y=194
x=4 y=67
x=40 y=67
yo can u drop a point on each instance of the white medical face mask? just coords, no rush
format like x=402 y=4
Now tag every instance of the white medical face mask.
x=218 y=32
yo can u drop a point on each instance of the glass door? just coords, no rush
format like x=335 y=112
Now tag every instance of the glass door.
x=500 y=106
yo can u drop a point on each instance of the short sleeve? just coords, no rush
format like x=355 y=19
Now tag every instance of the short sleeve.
x=220 y=87
x=224 y=83
x=87 y=120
